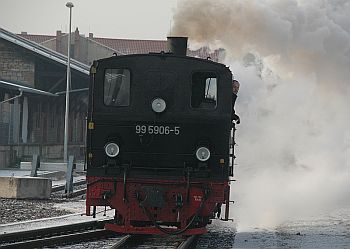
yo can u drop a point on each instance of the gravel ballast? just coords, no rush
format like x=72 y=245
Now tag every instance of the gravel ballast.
x=13 y=210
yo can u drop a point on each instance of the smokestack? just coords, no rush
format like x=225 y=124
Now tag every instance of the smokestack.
x=177 y=45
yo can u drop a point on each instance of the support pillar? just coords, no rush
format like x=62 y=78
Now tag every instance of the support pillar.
x=25 y=120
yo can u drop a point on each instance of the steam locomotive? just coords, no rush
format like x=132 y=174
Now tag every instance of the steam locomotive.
x=160 y=141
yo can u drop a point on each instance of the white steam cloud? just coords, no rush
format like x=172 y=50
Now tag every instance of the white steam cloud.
x=293 y=61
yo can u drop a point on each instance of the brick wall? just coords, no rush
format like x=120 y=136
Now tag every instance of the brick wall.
x=16 y=64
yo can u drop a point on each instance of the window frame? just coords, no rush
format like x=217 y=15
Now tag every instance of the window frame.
x=217 y=90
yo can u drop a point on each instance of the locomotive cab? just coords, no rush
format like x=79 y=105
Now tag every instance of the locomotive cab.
x=159 y=127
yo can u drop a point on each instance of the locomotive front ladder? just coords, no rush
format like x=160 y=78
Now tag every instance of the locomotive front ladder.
x=231 y=168
x=232 y=156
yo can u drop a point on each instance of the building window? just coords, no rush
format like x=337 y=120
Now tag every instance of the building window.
x=117 y=87
x=204 y=90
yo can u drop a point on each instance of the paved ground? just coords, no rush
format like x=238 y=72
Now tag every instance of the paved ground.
x=327 y=231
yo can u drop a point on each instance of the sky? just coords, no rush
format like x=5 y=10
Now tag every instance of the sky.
x=134 y=19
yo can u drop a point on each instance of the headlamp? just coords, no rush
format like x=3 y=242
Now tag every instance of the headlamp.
x=158 y=105
x=203 y=154
x=112 y=149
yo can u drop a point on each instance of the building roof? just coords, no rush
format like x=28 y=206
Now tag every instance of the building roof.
x=43 y=51
x=127 y=46
x=37 y=38
x=22 y=88
x=130 y=46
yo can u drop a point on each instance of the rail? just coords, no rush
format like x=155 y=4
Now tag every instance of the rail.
x=169 y=242
x=45 y=235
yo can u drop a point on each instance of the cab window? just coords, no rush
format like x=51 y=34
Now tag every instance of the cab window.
x=204 y=90
x=117 y=87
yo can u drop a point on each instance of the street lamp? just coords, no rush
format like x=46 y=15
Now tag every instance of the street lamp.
x=65 y=146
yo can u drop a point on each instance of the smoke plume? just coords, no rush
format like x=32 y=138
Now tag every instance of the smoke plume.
x=292 y=58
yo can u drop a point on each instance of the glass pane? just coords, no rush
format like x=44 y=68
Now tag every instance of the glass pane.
x=204 y=90
x=210 y=89
x=117 y=87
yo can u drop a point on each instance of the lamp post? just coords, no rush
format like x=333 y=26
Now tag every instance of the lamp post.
x=65 y=146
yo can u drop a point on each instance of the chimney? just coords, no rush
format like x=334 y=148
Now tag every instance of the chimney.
x=59 y=41
x=76 y=45
x=76 y=35
x=177 y=45
x=91 y=35
x=24 y=33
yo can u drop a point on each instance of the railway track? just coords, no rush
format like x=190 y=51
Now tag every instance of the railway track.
x=83 y=232
x=75 y=193
x=168 y=242
x=123 y=241
x=62 y=186
x=73 y=233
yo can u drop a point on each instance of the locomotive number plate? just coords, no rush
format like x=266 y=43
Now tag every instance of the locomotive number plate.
x=157 y=129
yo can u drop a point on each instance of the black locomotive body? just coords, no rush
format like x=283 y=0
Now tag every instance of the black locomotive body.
x=158 y=141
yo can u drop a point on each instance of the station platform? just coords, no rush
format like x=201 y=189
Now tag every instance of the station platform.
x=20 y=172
